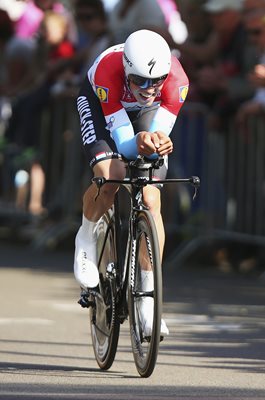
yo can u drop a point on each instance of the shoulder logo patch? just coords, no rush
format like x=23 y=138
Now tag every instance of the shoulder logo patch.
x=102 y=93
x=183 y=91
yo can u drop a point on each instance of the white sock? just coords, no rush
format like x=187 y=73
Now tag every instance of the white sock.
x=147 y=280
x=88 y=228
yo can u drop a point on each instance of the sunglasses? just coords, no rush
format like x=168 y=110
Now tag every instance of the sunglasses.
x=144 y=83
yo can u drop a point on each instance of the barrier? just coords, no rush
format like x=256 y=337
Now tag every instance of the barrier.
x=246 y=180
x=230 y=165
x=65 y=170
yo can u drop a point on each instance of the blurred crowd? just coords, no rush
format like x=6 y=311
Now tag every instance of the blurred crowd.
x=48 y=45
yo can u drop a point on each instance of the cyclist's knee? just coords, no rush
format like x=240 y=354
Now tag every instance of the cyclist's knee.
x=152 y=200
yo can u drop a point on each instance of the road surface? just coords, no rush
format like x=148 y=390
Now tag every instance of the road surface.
x=215 y=350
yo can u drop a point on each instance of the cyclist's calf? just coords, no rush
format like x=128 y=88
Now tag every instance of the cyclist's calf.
x=152 y=200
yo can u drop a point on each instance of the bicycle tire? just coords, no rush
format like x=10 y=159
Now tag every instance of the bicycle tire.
x=145 y=351
x=105 y=325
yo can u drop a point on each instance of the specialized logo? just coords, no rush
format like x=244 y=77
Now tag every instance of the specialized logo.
x=102 y=93
x=183 y=91
x=127 y=60
x=133 y=259
x=151 y=64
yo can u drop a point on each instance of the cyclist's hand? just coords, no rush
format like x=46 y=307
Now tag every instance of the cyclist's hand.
x=162 y=143
x=146 y=143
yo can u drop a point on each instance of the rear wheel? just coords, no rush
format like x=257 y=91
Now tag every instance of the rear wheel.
x=105 y=325
x=145 y=255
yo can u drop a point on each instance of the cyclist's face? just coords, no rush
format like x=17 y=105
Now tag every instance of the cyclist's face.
x=145 y=96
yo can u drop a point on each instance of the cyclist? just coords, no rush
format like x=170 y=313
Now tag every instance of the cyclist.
x=128 y=106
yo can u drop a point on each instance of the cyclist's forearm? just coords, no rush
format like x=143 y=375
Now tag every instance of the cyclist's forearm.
x=125 y=141
x=163 y=121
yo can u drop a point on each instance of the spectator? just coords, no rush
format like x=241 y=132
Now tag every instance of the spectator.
x=201 y=47
x=54 y=50
x=131 y=15
x=94 y=35
x=16 y=79
x=252 y=5
x=222 y=84
x=255 y=25
x=199 y=27
x=176 y=27
x=17 y=55
x=28 y=25
x=24 y=127
x=54 y=30
x=14 y=8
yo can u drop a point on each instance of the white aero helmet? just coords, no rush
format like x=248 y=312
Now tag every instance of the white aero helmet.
x=146 y=54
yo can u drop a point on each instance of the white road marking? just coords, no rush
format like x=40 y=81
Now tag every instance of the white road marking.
x=26 y=321
x=201 y=323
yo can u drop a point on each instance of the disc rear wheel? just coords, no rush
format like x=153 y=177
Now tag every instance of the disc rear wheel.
x=105 y=326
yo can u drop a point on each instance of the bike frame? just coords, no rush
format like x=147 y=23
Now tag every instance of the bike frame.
x=120 y=282
x=135 y=186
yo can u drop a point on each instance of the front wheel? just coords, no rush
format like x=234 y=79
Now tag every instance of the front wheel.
x=145 y=300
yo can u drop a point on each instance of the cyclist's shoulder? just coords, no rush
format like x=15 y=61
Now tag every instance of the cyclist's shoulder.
x=175 y=89
x=108 y=66
x=110 y=58
x=177 y=76
x=177 y=68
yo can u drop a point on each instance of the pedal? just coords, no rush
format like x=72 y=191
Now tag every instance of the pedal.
x=84 y=300
x=85 y=303
x=148 y=339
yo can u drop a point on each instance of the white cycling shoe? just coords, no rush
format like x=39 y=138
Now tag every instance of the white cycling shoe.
x=146 y=317
x=85 y=260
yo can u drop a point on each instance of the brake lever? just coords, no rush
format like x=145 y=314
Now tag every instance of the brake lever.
x=195 y=181
x=99 y=181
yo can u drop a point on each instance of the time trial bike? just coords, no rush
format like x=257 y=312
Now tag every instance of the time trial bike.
x=120 y=291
